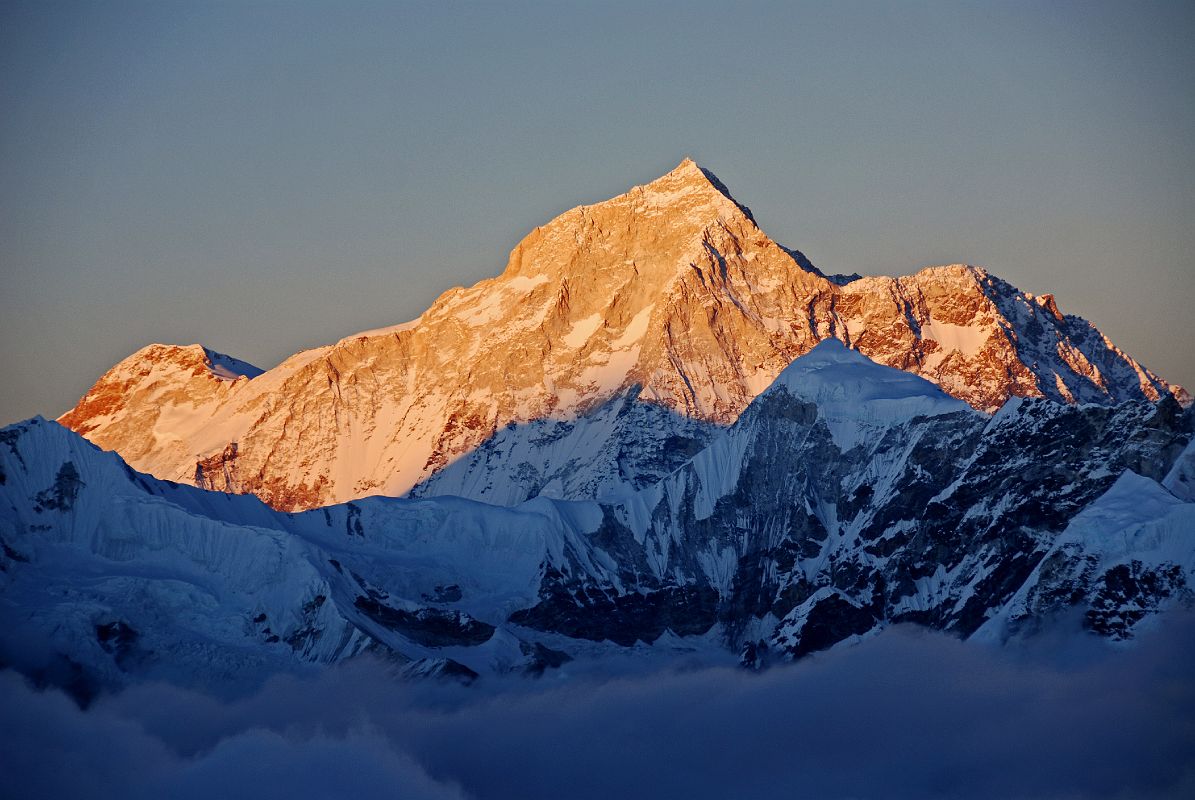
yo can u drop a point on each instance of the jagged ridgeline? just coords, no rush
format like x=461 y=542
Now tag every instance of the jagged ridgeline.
x=618 y=340
x=655 y=430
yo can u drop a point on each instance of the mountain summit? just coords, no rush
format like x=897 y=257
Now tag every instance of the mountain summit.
x=634 y=327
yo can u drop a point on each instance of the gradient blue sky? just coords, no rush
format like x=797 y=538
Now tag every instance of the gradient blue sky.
x=265 y=177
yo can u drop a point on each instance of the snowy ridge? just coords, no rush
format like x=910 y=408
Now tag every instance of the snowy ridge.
x=205 y=583
x=854 y=394
x=847 y=497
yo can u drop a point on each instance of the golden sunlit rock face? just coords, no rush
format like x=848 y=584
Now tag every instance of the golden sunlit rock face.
x=670 y=291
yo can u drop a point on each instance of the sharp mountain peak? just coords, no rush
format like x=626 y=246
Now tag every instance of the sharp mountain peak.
x=690 y=170
x=655 y=227
x=667 y=295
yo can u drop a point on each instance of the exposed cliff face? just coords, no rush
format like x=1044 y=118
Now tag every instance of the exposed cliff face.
x=669 y=294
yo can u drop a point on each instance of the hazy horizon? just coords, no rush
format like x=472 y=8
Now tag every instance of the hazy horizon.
x=265 y=178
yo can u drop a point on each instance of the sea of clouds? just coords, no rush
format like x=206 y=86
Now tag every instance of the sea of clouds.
x=907 y=713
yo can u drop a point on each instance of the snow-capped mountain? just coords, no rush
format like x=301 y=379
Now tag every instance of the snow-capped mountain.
x=846 y=497
x=619 y=340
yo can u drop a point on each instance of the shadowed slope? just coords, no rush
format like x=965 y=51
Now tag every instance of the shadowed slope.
x=848 y=496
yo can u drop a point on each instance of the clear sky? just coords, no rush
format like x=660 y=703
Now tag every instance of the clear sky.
x=265 y=177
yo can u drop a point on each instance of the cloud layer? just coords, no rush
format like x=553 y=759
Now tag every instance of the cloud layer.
x=906 y=714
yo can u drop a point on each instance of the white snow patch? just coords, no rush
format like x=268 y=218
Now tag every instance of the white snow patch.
x=966 y=340
x=634 y=330
x=581 y=331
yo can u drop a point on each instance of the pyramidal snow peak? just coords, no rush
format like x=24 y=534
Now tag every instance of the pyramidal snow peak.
x=619 y=339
